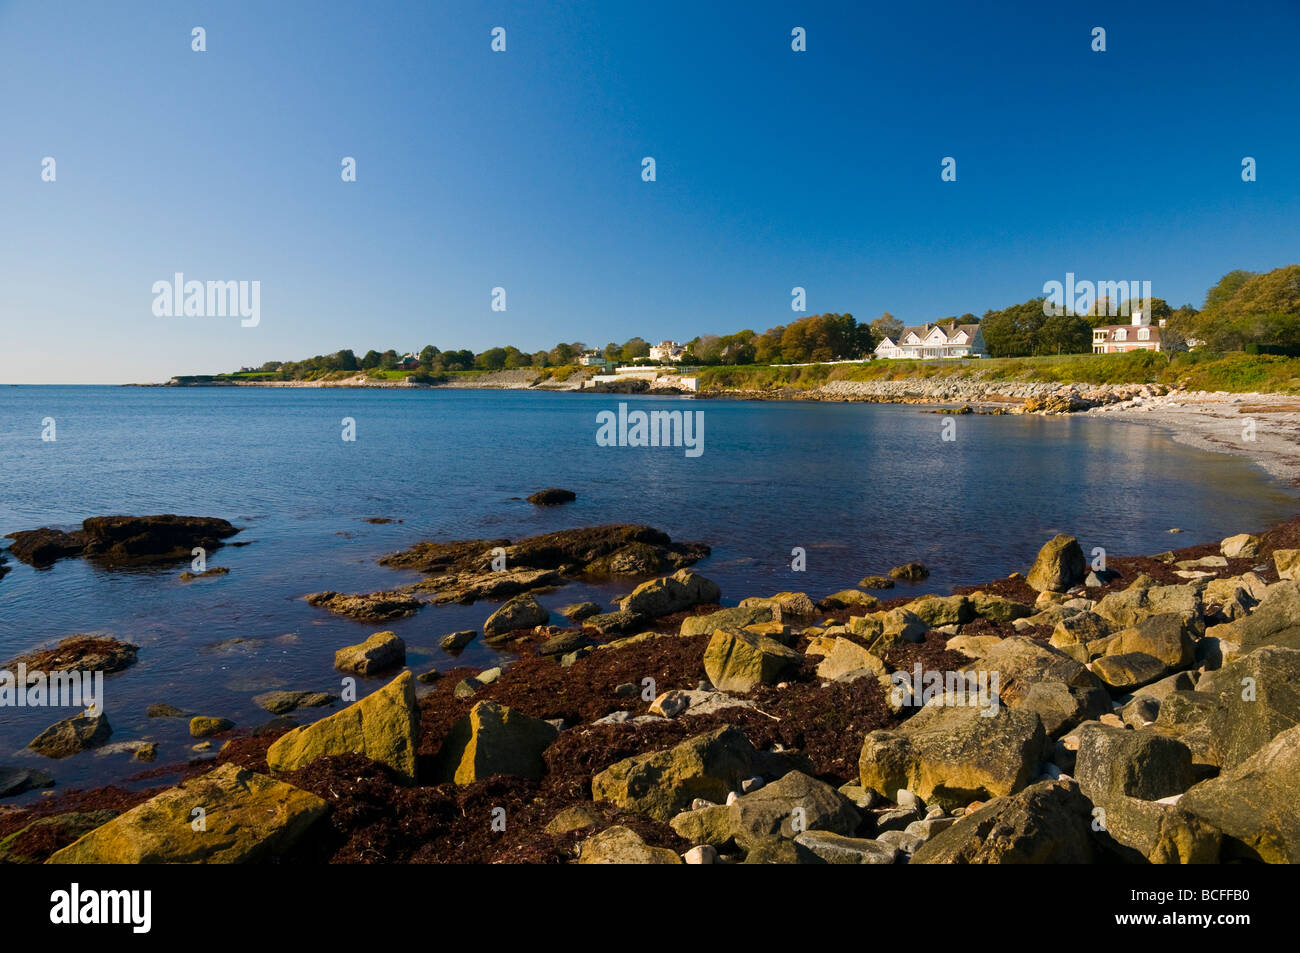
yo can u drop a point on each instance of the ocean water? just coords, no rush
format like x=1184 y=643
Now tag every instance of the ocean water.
x=858 y=487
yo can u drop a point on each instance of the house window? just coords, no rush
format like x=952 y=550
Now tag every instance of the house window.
x=1121 y=334
x=1144 y=334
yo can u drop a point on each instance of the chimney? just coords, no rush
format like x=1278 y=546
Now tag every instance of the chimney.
x=1139 y=320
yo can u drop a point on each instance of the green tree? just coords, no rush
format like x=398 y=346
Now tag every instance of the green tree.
x=634 y=349
x=370 y=360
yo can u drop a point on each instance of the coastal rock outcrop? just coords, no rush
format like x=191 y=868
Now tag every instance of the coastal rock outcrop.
x=123 y=540
x=736 y=659
x=378 y=653
x=660 y=597
x=368 y=607
x=521 y=612
x=71 y=735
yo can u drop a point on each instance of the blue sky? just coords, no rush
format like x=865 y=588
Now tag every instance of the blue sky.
x=523 y=169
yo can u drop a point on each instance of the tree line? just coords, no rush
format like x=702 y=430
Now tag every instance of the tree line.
x=1244 y=310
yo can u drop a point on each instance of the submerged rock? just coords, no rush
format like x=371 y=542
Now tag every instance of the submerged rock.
x=15 y=781
x=280 y=702
x=124 y=540
x=552 y=497
x=80 y=653
x=521 y=612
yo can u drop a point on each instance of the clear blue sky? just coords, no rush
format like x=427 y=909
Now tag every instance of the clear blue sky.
x=522 y=169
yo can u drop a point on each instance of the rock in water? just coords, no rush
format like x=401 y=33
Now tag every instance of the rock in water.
x=521 y=612
x=1060 y=565
x=552 y=497
x=493 y=739
x=15 y=781
x=379 y=653
x=247 y=817
x=67 y=737
x=384 y=726
x=681 y=590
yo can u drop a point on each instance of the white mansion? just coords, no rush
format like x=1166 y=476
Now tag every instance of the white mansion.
x=935 y=341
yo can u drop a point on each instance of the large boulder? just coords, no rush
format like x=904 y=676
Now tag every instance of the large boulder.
x=846 y=656
x=1166 y=636
x=521 y=612
x=1241 y=546
x=71 y=735
x=1258 y=697
x=1113 y=762
x=380 y=652
x=1156 y=832
x=1060 y=564
x=788 y=806
x=1128 y=670
x=681 y=590
x=1275 y=621
x=247 y=817
x=493 y=739
x=1287 y=563
x=1048 y=823
x=1140 y=600
x=736 y=660
x=664 y=783
x=738 y=617
x=838 y=849
x=1038 y=678
x=998 y=608
x=1253 y=804
x=622 y=845
x=384 y=726
x=883 y=631
x=951 y=755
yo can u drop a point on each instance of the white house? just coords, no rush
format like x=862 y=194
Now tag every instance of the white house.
x=935 y=341
x=667 y=351
x=1138 y=335
x=592 y=359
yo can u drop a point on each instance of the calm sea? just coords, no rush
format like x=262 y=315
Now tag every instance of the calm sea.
x=858 y=487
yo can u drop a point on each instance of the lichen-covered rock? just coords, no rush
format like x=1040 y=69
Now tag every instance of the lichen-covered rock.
x=248 y=817
x=384 y=726
x=380 y=652
x=521 y=612
x=738 y=617
x=1287 y=563
x=793 y=803
x=1114 y=762
x=71 y=735
x=935 y=611
x=205 y=726
x=846 y=656
x=1166 y=636
x=1128 y=670
x=493 y=739
x=681 y=590
x=785 y=606
x=367 y=607
x=1257 y=698
x=736 y=660
x=622 y=845
x=1048 y=823
x=664 y=783
x=1241 y=546
x=1253 y=804
x=951 y=755
x=1059 y=565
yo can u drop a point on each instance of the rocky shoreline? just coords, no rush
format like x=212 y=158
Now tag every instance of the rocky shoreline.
x=1069 y=714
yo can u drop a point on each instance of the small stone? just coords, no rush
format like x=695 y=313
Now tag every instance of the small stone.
x=457 y=640
x=751 y=784
x=701 y=854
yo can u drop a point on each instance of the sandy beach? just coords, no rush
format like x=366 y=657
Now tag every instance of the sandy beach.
x=1223 y=422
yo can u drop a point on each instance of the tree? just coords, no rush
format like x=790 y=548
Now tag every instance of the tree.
x=370 y=360
x=493 y=359
x=1063 y=334
x=562 y=354
x=388 y=360
x=428 y=355
x=634 y=349
x=1252 y=309
x=886 y=326
x=347 y=361
x=1013 y=331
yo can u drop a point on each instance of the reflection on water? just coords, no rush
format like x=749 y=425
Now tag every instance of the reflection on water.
x=860 y=487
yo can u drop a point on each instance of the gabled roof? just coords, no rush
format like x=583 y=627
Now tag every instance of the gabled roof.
x=925 y=331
